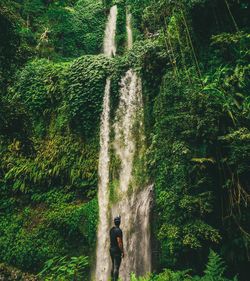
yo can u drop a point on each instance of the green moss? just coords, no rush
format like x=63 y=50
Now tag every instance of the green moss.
x=114 y=191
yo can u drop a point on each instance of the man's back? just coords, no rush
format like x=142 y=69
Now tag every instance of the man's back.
x=116 y=248
x=115 y=232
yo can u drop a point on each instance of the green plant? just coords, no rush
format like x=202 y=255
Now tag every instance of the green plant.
x=215 y=268
x=214 y=271
x=65 y=269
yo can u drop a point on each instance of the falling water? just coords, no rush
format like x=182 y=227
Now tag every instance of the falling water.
x=128 y=143
x=102 y=254
x=134 y=209
x=134 y=201
x=109 y=38
x=130 y=107
x=135 y=214
x=129 y=30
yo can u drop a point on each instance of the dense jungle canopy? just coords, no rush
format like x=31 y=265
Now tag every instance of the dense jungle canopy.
x=193 y=57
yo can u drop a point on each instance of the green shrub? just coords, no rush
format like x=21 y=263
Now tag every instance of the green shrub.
x=60 y=161
x=30 y=237
x=214 y=271
x=84 y=94
x=40 y=88
x=91 y=18
x=65 y=269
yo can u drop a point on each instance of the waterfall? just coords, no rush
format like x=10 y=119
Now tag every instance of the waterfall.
x=129 y=30
x=129 y=107
x=109 y=38
x=102 y=252
x=134 y=201
x=135 y=214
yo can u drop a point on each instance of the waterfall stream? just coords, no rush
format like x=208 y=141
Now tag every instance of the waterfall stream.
x=129 y=30
x=102 y=250
x=135 y=214
x=109 y=37
x=130 y=106
x=134 y=201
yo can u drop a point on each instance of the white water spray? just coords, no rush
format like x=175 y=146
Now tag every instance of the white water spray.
x=102 y=253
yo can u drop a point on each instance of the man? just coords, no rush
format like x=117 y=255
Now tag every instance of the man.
x=116 y=248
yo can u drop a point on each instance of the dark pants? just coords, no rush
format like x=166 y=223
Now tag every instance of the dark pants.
x=116 y=262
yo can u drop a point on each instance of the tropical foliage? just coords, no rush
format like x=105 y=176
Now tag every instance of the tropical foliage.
x=193 y=58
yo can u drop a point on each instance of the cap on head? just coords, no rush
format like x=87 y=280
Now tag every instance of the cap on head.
x=117 y=220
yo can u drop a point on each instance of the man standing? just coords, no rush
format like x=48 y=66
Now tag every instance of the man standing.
x=116 y=248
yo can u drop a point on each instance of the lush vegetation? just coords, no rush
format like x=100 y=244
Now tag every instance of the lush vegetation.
x=214 y=270
x=193 y=57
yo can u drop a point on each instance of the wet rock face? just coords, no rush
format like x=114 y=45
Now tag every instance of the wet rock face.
x=8 y=273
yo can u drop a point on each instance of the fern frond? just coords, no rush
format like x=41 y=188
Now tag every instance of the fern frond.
x=215 y=267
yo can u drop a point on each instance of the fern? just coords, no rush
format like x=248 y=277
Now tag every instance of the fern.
x=215 y=268
x=214 y=271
